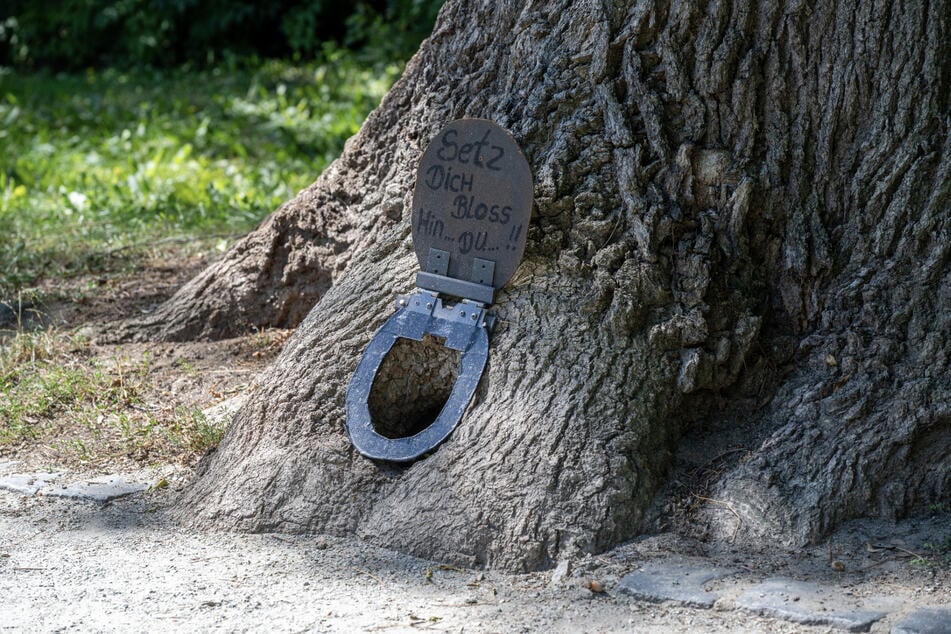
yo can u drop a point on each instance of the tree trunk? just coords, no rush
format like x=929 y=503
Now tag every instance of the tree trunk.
x=740 y=240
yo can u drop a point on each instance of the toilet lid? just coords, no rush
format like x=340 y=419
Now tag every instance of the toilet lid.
x=472 y=200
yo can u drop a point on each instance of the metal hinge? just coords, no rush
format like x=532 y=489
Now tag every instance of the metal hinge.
x=468 y=312
x=478 y=289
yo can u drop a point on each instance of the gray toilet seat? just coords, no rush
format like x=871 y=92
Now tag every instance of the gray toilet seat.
x=472 y=205
x=464 y=327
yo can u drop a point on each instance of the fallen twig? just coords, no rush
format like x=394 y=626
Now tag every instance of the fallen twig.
x=369 y=574
x=727 y=506
x=910 y=553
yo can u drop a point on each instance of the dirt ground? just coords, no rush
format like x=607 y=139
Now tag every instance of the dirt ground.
x=164 y=380
x=125 y=565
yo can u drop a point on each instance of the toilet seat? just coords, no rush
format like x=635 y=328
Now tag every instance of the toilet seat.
x=418 y=315
x=469 y=233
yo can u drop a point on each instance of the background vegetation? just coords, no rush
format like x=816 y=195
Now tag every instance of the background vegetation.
x=107 y=160
x=124 y=122
x=78 y=34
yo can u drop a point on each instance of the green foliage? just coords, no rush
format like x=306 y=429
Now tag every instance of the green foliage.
x=394 y=33
x=301 y=27
x=77 y=34
x=192 y=431
x=95 y=162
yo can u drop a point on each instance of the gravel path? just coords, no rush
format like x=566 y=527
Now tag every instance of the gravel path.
x=74 y=564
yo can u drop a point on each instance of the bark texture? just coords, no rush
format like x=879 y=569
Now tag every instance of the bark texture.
x=740 y=217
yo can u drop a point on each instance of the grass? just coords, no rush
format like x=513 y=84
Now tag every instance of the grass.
x=105 y=161
x=54 y=393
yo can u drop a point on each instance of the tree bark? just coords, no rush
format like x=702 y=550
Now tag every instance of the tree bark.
x=740 y=239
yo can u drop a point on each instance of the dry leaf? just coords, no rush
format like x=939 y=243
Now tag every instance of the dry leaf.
x=594 y=585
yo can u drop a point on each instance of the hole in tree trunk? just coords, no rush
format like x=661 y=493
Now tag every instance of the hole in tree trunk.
x=413 y=383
